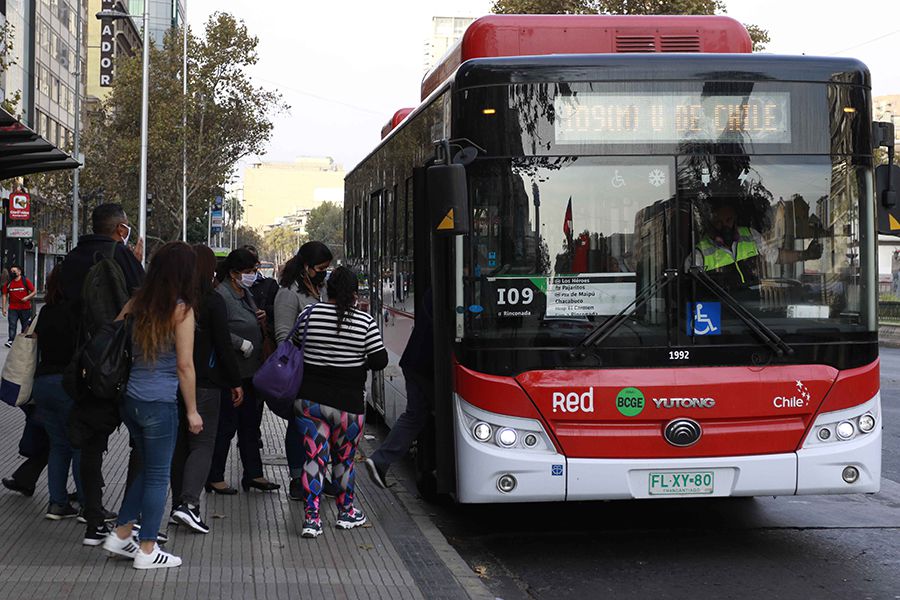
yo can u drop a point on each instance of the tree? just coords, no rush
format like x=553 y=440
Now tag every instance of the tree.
x=759 y=36
x=280 y=244
x=326 y=224
x=228 y=118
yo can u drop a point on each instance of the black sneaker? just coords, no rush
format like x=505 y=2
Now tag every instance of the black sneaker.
x=11 y=484
x=295 y=489
x=190 y=516
x=331 y=489
x=376 y=473
x=8 y=344
x=108 y=515
x=58 y=512
x=94 y=536
x=161 y=537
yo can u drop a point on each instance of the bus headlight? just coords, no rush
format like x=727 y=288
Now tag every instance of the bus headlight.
x=845 y=430
x=867 y=423
x=482 y=431
x=507 y=437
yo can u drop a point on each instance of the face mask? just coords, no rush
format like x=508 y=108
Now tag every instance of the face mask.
x=248 y=279
x=127 y=235
x=318 y=279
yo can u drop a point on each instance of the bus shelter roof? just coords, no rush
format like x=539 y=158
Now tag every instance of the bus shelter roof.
x=24 y=152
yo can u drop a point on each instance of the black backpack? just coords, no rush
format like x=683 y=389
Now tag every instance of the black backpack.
x=104 y=363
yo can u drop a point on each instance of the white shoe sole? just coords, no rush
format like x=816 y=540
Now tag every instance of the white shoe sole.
x=350 y=524
x=92 y=542
x=373 y=473
x=50 y=517
x=310 y=533
x=173 y=562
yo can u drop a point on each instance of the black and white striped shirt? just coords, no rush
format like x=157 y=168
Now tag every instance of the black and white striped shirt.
x=335 y=359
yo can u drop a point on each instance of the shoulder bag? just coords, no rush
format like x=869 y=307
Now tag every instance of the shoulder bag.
x=18 y=371
x=279 y=378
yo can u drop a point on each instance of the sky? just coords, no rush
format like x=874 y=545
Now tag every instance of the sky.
x=345 y=67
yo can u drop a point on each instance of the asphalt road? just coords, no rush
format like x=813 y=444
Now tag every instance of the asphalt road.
x=787 y=547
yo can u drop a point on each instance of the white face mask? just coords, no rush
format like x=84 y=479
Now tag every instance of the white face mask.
x=248 y=279
x=127 y=235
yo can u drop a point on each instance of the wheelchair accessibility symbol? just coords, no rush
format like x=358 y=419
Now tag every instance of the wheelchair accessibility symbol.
x=704 y=318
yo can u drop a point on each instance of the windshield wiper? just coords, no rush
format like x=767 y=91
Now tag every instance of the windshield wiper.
x=769 y=337
x=605 y=329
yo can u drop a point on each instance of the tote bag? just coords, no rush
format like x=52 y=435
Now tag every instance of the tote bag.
x=279 y=378
x=18 y=371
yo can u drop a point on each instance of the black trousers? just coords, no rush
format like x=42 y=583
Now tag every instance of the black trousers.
x=34 y=445
x=245 y=420
x=194 y=453
x=92 y=483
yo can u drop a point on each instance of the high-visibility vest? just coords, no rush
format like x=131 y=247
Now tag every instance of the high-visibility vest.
x=716 y=258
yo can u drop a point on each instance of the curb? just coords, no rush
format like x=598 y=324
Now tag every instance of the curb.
x=468 y=580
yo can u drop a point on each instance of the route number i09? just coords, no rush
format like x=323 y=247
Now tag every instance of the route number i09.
x=514 y=296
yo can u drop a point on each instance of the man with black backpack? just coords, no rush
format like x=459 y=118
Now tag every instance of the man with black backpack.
x=98 y=277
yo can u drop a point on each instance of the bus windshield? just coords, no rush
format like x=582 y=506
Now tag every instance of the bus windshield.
x=561 y=244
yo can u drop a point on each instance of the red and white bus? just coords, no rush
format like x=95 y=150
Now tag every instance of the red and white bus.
x=561 y=189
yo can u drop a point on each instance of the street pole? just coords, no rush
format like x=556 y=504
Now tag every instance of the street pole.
x=209 y=226
x=76 y=142
x=145 y=113
x=184 y=76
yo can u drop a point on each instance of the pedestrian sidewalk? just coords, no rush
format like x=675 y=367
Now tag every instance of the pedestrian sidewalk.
x=254 y=550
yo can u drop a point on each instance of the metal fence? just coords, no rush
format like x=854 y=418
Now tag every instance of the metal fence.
x=888 y=311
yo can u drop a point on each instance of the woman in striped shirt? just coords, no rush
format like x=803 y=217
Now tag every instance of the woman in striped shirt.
x=341 y=344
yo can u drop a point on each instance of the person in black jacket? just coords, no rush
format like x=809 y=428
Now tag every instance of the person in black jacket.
x=417 y=364
x=91 y=422
x=217 y=370
x=341 y=345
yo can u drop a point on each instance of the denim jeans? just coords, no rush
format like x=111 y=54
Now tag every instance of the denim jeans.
x=54 y=406
x=154 y=428
x=16 y=316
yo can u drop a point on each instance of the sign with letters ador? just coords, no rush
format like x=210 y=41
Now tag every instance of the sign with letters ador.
x=19 y=206
x=107 y=46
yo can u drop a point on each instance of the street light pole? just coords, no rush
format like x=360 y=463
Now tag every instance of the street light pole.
x=184 y=76
x=76 y=142
x=145 y=113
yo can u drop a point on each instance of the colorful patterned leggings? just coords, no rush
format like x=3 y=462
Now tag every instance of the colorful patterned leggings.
x=329 y=434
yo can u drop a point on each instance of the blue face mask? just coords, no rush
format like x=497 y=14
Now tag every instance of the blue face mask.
x=248 y=279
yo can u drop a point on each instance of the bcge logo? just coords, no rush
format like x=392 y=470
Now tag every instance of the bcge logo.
x=573 y=402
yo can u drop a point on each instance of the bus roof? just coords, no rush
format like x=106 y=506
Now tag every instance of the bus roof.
x=533 y=35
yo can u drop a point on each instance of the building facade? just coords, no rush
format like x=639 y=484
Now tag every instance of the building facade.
x=445 y=31
x=164 y=15
x=107 y=40
x=278 y=192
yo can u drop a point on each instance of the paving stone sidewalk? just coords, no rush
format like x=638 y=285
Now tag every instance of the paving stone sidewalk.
x=254 y=550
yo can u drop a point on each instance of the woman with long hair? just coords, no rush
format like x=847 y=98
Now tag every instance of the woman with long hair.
x=302 y=283
x=163 y=348
x=217 y=373
x=342 y=343
x=236 y=274
x=56 y=343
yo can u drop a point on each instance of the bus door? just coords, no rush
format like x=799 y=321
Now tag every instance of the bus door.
x=374 y=211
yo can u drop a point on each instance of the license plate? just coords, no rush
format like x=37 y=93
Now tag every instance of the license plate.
x=678 y=483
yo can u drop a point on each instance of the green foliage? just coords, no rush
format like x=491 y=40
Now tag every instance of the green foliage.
x=760 y=37
x=280 y=244
x=326 y=224
x=228 y=118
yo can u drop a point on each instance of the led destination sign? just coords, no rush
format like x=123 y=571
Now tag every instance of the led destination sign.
x=666 y=118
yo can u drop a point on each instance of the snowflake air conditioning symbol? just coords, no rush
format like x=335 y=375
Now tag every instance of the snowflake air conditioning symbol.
x=657 y=177
x=803 y=391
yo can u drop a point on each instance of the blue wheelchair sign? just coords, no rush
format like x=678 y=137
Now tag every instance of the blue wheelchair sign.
x=704 y=318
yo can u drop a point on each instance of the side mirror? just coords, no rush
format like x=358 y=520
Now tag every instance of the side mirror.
x=448 y=197
x=887 y=186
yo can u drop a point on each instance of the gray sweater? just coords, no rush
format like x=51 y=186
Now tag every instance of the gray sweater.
x=242 y=325
x=288 y=304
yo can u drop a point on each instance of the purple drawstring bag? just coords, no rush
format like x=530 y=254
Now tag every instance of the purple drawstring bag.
x=279 y=378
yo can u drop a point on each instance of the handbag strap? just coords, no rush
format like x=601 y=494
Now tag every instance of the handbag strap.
x=305 y=313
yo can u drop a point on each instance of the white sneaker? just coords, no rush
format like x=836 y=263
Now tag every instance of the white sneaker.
x=119 y=547
x=158 y=559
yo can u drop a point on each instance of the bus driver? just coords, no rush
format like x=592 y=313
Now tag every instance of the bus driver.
x=732 y=254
